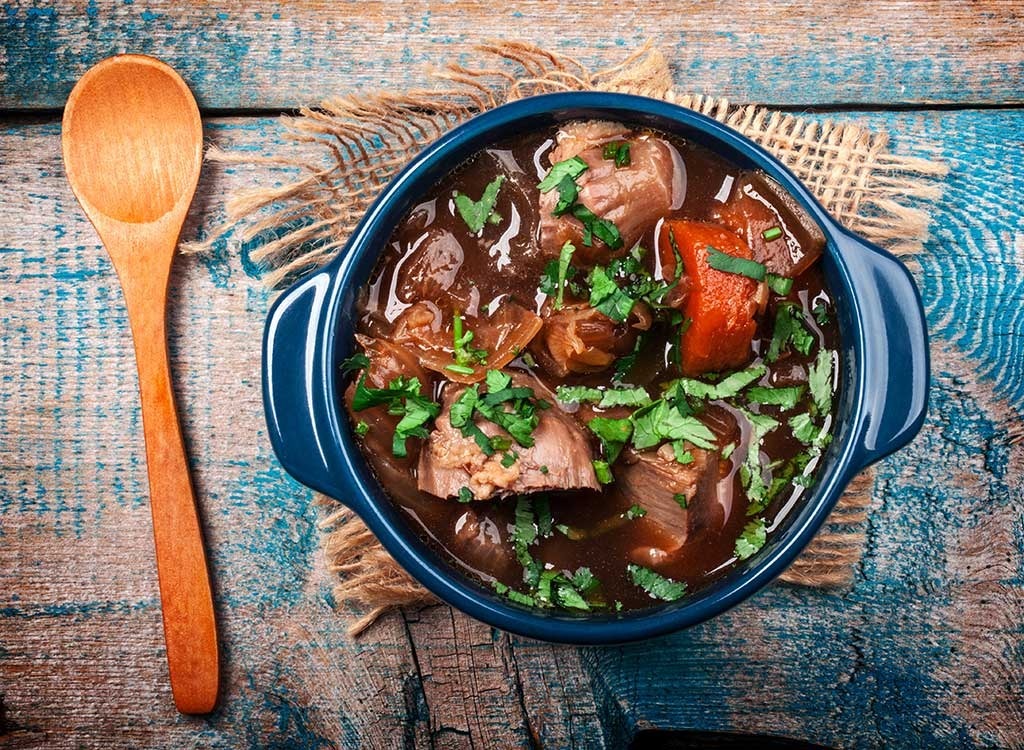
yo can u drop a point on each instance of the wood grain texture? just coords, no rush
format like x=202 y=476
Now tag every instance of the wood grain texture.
x=924 y=650
x=133 y=143
x=264 y=54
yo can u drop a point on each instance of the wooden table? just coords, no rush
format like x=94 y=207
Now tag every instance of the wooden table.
x=925 y=649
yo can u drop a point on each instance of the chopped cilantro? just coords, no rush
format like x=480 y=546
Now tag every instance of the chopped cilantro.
x=624 y=397
x=617 y=151
x=618 y=606
x=512 y=595
x=603 y=472
x=789 y=328
x=509 y=458
x=635 y=511
x=819 y=377
x=772 y=234
x=569 y=394
x=463 y=354
x=461 y=411
x=476 y=213
x=624 y=364
x=751 y=472
x=403 y=399
x=524 y=534
x=804 y=429
x=571 y=168
x=683 y=456
x=465 y=495
x=681 y=500
x=460 y=369
x=781 y=285
x=543 y=469
x=727 y=450
x=731 y=264
x=544 y=521
x=497 y=380
x=663 y=421
x=607 y=297
x=613 y=434
x=726 y=388
x=603 y=229
x=358 y=361
x=362 y=428
x=564 y=258
x=751 y=539
x=569 y=597
x=657 y=586
x=786 y=398
x=820 y=312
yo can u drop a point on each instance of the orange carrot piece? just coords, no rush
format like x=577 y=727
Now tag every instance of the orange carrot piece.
x=720 y=305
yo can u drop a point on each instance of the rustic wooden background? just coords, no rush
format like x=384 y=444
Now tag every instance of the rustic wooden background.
x=925 y=649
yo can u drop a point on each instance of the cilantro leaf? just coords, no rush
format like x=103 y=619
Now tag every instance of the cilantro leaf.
x=613 y=434
x=602 y=471
x=617 y=151
x=624 y=397
x=512 y=595
x=803 y=428
x=727 y=388
x=781 y=285
x=569 y=394
x=465 y=495
x=544 y=521
x=751 y=539
x=786 y=398
x=819 y=377
x=584 y=580
x=564 y=258
x=571 y=168
x=461 y=411
x=732 y=264
x=476 y=213
x=497 y=380
x=603 y=229
x=607 y=297
x=358 y=361
x=789 y=328
x=635 y=511
x=663 y=421
x=568 y=191
x=657 y=586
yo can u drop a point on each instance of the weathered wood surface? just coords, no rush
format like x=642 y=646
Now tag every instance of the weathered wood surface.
x=924 y=650
x=265 y=54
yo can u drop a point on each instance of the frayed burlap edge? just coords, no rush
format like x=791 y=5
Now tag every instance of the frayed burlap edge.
x=348 y=148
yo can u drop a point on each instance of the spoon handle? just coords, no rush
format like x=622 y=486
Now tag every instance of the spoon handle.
x=187 y=603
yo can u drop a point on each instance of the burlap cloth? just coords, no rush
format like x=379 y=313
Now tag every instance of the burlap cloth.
x=345 y=150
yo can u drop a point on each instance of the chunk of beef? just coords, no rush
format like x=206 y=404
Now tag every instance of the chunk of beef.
x=653 y=479
x=580 y=339
x=632 y=197
x=560 y=457
x=756 y=204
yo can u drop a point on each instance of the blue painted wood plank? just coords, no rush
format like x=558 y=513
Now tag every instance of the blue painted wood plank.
x=262 y=54
x=923 y=650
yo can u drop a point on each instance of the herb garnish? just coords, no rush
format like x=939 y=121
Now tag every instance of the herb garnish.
x=657 y=586
x=602 y=471
x=568 y=394
x=603 y=229
x=514 y=409
x=564 y=258
x=463 y=354
x=681 y=500
x=781 y=285
x=465 y=495
x=732 y=264
x=617 y=151
x=403 y=398
x=358 y=361
x=562 y=175
x=635 y=511
x=786 y=398
x=727 y=388
x=819 y=378
x=569 y=168
x=751 y=539
x=476 y=213
x=772 y=233
x=607 y=297
x=362 y=428
x=613 y=434
x=751 y=470
x=789 y=328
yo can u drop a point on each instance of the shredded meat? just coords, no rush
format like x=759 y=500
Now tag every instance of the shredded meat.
x=559 y=459
x=580 y=339
x=632 y=197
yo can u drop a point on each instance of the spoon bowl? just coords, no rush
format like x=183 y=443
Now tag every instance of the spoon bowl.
x=133 y=141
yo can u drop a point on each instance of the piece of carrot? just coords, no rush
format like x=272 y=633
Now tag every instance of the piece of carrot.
x=720 y=305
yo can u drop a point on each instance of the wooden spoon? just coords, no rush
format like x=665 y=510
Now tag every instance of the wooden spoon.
x=133 y=144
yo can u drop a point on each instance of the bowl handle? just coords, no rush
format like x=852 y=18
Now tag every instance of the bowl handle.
x=894 y=393
x=297 y=393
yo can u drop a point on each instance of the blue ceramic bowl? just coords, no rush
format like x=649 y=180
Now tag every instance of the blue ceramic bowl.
x=310 y=330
